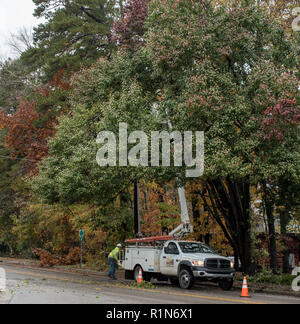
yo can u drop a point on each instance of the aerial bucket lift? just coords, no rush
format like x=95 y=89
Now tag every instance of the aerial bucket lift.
x=183 y=229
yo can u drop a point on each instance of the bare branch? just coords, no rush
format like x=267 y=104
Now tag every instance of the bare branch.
x=20 y=41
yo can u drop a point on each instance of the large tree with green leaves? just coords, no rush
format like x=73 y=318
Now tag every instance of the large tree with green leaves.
x=221 y=70
x=103 y=96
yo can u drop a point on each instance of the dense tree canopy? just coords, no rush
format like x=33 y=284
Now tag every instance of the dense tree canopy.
x=224 y=71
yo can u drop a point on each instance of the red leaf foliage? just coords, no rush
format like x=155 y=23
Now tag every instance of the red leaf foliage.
x=26 y=140
x=24 y=137
x=128 y=32
x=278 y=119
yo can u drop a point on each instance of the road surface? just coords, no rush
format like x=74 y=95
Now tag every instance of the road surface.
x=27 y=285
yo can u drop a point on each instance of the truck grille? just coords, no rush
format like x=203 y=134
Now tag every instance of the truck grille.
x=217 y=264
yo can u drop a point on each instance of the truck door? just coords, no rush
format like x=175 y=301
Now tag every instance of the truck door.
x=170 y=259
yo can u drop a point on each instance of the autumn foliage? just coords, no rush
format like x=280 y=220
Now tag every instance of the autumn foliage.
x=161 y=212
x=279 y=118
x=48 y=259
x=22 y=137
x=129 y=31
x=33 y=123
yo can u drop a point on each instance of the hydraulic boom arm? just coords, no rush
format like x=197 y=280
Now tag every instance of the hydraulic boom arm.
x=185 y=227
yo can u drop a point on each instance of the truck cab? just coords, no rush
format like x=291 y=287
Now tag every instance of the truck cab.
x=187 y=261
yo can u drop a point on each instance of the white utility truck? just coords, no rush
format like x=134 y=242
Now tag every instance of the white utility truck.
x=182 y=262
x=171 y=258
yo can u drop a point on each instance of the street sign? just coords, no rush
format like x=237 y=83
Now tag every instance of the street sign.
x=81 y=235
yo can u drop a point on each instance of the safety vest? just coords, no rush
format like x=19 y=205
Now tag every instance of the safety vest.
x=114 y=254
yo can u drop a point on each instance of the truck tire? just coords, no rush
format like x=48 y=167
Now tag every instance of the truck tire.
x=186 y=279
x=226 y=284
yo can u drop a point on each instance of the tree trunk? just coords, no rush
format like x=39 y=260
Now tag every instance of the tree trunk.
x=146 y=199
x=236 y=260
x=230 y=202
x=284 y=220
x=196 y=215
x=272 y=238
x=246 y=252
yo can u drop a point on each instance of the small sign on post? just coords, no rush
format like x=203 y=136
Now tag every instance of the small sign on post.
x=81 y=235
x=81 y=239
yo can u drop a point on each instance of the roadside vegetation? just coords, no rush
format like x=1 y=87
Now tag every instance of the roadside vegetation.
x=269 y=278
x=229 y=68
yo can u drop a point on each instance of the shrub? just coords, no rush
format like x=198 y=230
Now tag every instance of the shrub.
x=73 y=257
x=48 y=259
x=267 y=277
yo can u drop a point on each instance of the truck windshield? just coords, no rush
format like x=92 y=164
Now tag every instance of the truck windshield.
x=189 y=247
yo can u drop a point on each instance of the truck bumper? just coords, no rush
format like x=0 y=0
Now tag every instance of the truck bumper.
x=205 y=274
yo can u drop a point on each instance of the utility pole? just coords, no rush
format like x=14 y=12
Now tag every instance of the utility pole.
x=137 y=223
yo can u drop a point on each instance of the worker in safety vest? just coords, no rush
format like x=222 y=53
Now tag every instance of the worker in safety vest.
x=113 y=260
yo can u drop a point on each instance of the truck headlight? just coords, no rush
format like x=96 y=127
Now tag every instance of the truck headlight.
x=232 y=264
x=197 y=263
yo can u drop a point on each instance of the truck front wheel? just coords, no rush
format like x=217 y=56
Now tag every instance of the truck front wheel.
x=186 y=279
x=226 y=284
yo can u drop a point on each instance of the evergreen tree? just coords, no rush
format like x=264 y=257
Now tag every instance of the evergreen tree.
x=74 y=33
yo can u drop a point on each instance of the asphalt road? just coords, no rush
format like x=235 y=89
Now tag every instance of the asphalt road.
x=27 y=285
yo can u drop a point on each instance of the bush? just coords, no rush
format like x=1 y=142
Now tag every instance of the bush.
x=48 y=259
x=267 y=277
x=73 y=257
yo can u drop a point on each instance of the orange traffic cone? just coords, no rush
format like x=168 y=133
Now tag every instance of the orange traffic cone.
x=140 y=277
x=245 y=291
